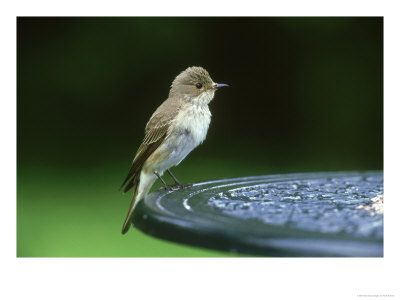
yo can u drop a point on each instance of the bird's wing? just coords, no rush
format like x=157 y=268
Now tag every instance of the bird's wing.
x=155 y=133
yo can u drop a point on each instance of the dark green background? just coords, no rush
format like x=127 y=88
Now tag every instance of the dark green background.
x=306 y=95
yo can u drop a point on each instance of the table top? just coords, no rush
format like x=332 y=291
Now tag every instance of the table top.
x=304 y=214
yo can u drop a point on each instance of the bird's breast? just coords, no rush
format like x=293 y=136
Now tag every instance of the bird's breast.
x=192 y=123
x=187 y=131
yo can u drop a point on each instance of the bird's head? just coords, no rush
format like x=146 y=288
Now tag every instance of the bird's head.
x=195 y=84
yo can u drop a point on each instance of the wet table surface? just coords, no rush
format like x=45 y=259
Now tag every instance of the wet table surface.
x=308 y=214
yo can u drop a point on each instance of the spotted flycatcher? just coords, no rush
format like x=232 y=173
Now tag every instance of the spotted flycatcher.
x=178 y=126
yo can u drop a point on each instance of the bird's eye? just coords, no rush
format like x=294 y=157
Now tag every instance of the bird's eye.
x=199 y=85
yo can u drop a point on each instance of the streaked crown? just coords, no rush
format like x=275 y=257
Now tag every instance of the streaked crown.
x=191 y=83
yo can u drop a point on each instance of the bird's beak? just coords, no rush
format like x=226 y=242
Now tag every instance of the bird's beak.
x=219 y=85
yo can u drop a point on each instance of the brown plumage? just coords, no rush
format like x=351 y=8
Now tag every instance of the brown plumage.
x=178 y=125
x=155 y=132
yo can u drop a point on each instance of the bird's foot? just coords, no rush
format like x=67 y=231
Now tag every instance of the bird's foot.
x=171 y=187
x=185 y=186
x=176 y=186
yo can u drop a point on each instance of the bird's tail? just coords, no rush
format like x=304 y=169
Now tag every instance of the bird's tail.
x=142 y=184
x=128 y=219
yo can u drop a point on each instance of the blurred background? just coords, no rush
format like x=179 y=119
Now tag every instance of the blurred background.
x=306 y=94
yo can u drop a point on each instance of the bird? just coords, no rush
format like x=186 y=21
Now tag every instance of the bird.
x=177 y=127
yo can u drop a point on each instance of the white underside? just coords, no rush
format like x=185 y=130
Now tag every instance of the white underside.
x=188 y=130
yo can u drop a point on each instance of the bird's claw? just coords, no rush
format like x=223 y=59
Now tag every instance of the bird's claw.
x=176 y=186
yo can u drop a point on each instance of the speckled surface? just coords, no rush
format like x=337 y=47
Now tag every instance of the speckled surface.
x=327 y=205
x=303 y=214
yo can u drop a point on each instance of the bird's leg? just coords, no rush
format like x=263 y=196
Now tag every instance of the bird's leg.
x=166 y=186
x=177 y=183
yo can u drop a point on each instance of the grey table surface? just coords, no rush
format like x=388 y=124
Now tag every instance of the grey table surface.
x=304 y=214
